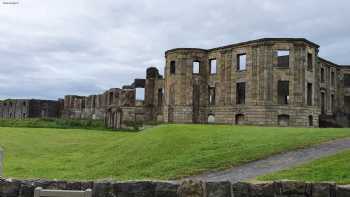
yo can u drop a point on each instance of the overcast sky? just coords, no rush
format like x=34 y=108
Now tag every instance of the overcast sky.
x=50 y=48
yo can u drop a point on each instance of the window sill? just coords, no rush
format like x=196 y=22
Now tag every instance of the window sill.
x=282 y=67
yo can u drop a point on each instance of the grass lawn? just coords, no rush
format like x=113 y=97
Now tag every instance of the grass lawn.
x=334 y=168
x=162 y=152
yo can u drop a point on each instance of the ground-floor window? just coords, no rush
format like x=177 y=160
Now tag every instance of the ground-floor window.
x=211 y=119
x=311 y=121
x=239 y=119
x=283 y=120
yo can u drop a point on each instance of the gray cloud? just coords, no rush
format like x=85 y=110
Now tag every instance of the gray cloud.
x=55 y=47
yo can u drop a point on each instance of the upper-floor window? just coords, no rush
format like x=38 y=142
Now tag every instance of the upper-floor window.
x=332 y=103
x=283 y=58
x=241 y=62
x=332 y=78
x=322 y=75
x=211 y=92
x=347 y=80
x=240 y=93
x=160 y=96
x=140 y=94
x=309 y=94
x=309 y=61
x=172 y=67
x=283 y=92
x=111 y=98
x=212 y=66
x=195 y=66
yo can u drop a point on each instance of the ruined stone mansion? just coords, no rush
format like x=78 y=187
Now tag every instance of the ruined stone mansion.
x=270 y=81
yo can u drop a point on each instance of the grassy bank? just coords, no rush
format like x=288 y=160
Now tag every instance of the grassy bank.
x=335 y=168
x=53 y=123
x=161 y=152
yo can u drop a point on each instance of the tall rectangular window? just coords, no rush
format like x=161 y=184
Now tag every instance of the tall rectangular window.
x=309 y=61
x=309 y=94
x=322 y=75
x=160 y=96
x=211 y=95
x=283 y=58
x=347 y=80
x=323 y=101
x=140 y=94
x=283 y=92
x=213 y=66
x=332 y=103
x=332 y=78
x=195 y=67
x=240 y=93
x=172 y=67
x=241 y=62
x=111 y=98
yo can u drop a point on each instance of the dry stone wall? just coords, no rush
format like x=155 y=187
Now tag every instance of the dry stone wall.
x=25 y=188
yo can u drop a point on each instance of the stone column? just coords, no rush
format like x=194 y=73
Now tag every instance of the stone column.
x=1 y=161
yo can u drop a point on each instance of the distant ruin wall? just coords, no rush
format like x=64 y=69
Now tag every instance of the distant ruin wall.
x=18 y=188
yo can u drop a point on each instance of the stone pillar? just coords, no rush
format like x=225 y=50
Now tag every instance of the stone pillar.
x=1 y=161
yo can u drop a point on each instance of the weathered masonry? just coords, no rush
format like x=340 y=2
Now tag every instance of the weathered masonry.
x=30 y=108
x=276 y=81
x=27 y=188
x=270 y=81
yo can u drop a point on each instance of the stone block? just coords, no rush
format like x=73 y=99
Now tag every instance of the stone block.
x=293 y=187
x=103 y=189
x=135 y=189
x=262 y=189
x=9 y=188
x=166 y=189
x=191 y=188
x=1 y=161
x=343 y=191
x=218 y=189
x=241 y=189
x=323 y=190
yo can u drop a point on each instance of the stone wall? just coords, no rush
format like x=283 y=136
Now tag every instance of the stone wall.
x=1 y=161
x=187 y=94
x=19 y=188
x=30 y=108
x=232 y=94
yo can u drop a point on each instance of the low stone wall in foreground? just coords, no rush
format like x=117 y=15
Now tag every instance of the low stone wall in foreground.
x=25 y=188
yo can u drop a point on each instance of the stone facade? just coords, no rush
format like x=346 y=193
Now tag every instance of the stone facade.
x=121 y=107
x=270 y=82
x=251 y=84
x=25 y=188
x=32 y=108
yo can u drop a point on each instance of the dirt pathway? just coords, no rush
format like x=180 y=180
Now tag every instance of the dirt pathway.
x=276 y=162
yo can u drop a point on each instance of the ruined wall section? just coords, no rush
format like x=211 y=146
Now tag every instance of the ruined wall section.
x=154 y=95
x=185 y=92
x=84 y=107
x=29 y=108
x=14 y=108
x=259 y=77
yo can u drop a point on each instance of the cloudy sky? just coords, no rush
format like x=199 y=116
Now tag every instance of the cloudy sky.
x=50 y=48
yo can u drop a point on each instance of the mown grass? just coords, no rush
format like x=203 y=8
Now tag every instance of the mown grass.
x=161 y=152
x=334 y=169
x=53 y=123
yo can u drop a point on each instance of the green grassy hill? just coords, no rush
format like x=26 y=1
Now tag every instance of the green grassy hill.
x=162 y=152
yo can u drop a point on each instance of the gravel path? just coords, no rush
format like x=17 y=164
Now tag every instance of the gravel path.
x=276 y=162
